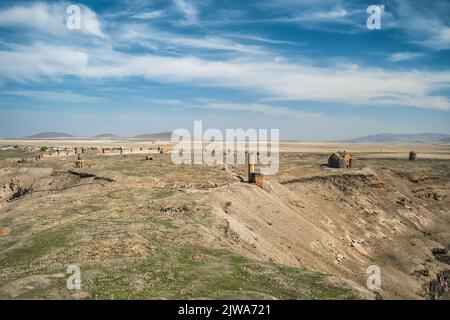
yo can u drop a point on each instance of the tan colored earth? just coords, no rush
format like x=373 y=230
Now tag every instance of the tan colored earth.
x=152 y=229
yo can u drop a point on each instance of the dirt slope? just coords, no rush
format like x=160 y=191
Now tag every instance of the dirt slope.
x=151 y=229
x=340 y=223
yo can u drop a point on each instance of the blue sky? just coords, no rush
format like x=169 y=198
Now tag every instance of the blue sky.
x=310 y=68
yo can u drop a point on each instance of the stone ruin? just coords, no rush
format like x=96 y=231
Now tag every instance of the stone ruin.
x=341 y=160
x=412 y=156
x=254 y=175
x=80 y=162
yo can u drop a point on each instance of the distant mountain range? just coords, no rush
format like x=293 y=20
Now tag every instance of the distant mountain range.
x=50 y=135
x=376 y=138
x=61 y=135
x=411 y=138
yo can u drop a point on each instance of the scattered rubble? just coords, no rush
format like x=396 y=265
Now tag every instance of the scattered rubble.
x=20 y=192
x=83 y=175
x=423 y=272
x=441 y=254
x=439 y=251
x=201 y=257
x=429 y=193
x=421 y=179
x=24 y=161
x=13 y=191
x=227 y=206
x=368 y=203
x=175 y=209
x=438 y=287
x=404 y=202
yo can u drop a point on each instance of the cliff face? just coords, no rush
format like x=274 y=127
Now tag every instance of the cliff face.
x=342 y=223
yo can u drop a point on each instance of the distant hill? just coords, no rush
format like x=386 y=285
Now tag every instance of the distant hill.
x=446 y=140
x=50 y=135
x=60 y=135
x=154 y=136
x=105 y=136
x=394 y=137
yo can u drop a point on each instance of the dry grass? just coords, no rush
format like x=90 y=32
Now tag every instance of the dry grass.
x=166 y=231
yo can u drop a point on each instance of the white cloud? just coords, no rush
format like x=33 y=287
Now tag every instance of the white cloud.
x=262 y=39
x=30 y=63
x=263 y=108
x=283 y=80
x=325 y=15
x=188 y=9
x=37 y=16
x=49 y=18
x=405 y=56
x=425 y=23
x=439 y=39
x=145 y=36
x=149 y=15
x=418 y=101
x=172 y=102
x=55 y=96
x=273 y=78
x=90 y=23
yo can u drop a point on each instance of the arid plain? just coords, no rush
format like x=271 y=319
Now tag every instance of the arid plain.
x=150 y=229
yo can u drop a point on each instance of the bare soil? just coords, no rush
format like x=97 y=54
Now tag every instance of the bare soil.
x=151 y=229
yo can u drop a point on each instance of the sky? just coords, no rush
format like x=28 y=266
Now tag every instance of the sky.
x=311 y=69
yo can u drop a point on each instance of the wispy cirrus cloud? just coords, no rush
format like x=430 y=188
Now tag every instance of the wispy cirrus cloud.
x=264 y=108
x=37 y=61
x=149 y=15
x=145 y=36
x=424 y=22
x=56 y=96
x=439 y=38
x=188 y=9
x=284 y=80
x=267 y=109
x=405 y=56
x=265 y=57
x=171 y=102
x=327 y=15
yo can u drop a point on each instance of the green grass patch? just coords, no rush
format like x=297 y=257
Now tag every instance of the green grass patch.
x=36 y=247
x=174 y=274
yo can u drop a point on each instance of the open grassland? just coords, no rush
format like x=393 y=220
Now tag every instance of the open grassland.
x=149 y=229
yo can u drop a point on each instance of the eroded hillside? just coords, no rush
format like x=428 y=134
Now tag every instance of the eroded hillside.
x=150 y=229
x=342 y=221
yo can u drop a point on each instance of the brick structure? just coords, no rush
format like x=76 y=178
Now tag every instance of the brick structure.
x=341 y=160
x=80 y=162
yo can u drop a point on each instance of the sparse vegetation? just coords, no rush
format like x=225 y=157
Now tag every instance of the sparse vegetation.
x=153 y=230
